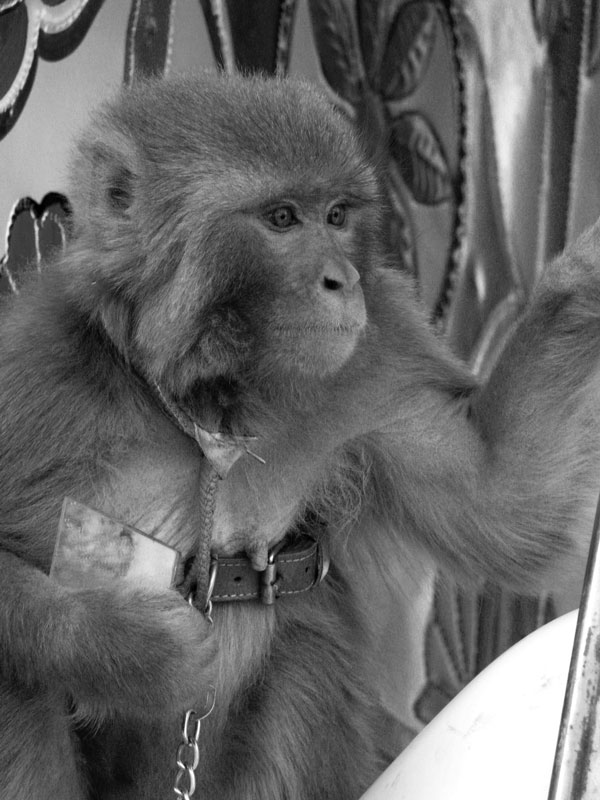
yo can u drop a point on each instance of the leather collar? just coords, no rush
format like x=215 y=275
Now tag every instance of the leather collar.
x=294 y=566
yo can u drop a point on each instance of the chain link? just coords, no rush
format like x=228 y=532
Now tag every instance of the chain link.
x=188 y=752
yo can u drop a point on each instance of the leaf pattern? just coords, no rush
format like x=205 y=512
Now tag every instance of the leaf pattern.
x=593 y=59
x=381 y=57
x=38 y=229
x=420 y=158
x=401 y=236
x=337 y=46
x=408 y=49
x=548 y=15
x=367 y=19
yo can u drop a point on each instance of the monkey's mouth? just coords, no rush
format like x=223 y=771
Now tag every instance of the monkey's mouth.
x=315 y=349
x=319 y=329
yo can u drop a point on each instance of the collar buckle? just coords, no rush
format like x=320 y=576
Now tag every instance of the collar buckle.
x=268 y=578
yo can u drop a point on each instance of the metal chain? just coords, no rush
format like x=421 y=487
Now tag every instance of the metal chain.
x=198 y=588
x=188 y=752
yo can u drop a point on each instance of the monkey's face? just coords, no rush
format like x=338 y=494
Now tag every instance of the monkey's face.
x=316 y=303
x=232 y=242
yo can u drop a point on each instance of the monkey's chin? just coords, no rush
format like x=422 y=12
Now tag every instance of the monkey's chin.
x=322 y=353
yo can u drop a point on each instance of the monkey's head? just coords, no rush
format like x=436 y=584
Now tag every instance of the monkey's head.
x=225 y=230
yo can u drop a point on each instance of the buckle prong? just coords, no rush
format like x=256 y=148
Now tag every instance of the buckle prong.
x=268 y=577
x=323 y=563
x=212 y=577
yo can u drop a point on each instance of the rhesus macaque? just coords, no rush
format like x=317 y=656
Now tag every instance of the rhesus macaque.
x=229 y=248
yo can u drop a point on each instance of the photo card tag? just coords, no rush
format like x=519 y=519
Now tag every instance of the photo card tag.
x=95 y=550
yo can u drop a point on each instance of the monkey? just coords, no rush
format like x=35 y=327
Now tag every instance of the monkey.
x=228 y=269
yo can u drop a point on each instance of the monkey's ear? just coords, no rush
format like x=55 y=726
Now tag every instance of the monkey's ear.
x=105 y=174
x=119 y=189
x=115 y=173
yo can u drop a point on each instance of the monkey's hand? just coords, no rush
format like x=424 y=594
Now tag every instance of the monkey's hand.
x=537 y=422
x=126 y=651
x=141 y=653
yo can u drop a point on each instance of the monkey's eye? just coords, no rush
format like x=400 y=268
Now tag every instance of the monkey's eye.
x=337 y=215
x=282 y=217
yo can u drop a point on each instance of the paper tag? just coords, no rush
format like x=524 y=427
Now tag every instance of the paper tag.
x=222 y=450
x=94 y=550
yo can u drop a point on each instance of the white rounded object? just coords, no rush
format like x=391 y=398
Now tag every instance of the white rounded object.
x=497 y=739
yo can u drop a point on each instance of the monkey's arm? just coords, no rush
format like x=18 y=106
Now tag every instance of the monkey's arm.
x=504 y=484
x=111 y=651
x=539 y=414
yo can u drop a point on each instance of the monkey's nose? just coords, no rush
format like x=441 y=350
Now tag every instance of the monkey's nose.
x=339 y=276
